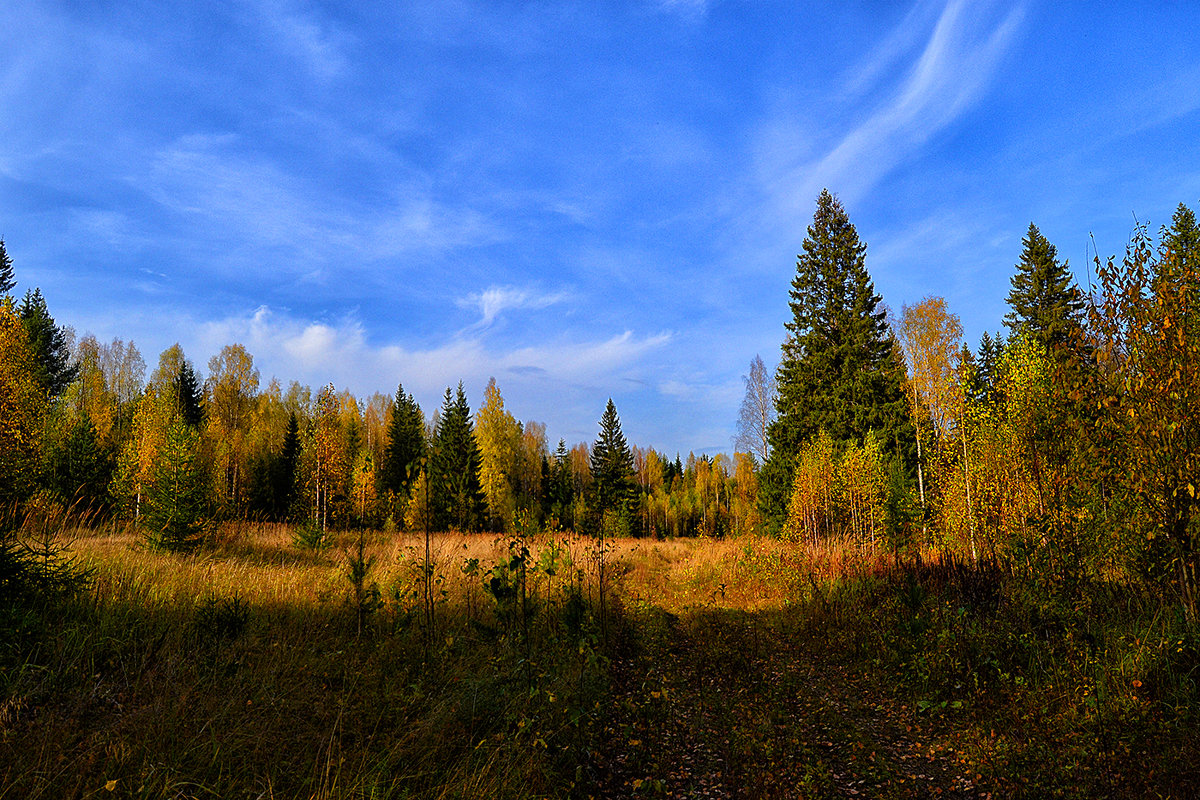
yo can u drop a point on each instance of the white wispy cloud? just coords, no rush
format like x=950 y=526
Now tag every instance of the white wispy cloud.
x=958 y=59
x=243 y=197
x=876 y=66
x=314 y=42
x=688 y=9
x=495 y=300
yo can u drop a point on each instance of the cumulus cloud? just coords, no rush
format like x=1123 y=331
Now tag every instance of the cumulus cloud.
x=318 y=352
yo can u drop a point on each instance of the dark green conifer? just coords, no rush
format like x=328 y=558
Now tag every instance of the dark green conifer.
x=189 y=394
x=176 y=497
x=560 y=487
x=839 y=370
x=1044 y=300
x=405 y=447
x=79 y=468
x=272 y=483
x=612 y=466
x=984 y=388
x=1181 y=256
x=49 y=344
x=7 y=281
x=1183 y=237
x=456 y=498
x=283 y=471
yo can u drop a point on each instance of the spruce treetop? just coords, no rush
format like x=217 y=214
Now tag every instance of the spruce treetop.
x=7 y=281
x=49 y=343
x=1181 y=243
x=840 y=371
x=405 y=444
x=454 y=477
x=1044 y=299
x=611 y=462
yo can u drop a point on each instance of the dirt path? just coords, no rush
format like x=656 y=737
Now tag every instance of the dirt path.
x=725 y=705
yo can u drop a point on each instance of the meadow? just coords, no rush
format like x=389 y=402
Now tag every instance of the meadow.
x=552 y=665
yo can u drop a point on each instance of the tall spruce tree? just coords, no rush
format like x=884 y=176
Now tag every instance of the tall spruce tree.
x=839 y=370
x=405 y=447
x=49 y=343
x=560 y=486
x=272 y=485
x=985 y=382
x=7 y=281
x=456 y=498
x=283 y=474
x=1181 y=253
x=612 y=466
x=189 y=394
x=1044 y=300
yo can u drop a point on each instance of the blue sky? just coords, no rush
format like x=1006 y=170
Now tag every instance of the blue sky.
x=584 y=199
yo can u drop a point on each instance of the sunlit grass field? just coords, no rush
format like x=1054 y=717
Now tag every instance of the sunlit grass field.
x=558 y=666
x=242 y=670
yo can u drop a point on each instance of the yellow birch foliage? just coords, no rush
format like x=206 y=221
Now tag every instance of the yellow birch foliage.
x=498 y=436
x=1147 y=319
x=814 y=494
x=931 y=337
x=232 y=388
x=746 y=515
x=23 y=406
x=135 y=466
x=1003 y=494
x=533 y=449
x=90 y=394
x=326 y=457
x=863 y=489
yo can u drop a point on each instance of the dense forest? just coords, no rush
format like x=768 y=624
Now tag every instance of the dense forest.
x=918 y=547
x=182 y=452
x=1067 y=448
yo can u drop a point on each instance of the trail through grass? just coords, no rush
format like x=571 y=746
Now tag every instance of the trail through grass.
x=727 y=704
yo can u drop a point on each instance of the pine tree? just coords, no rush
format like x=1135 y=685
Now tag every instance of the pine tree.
x=405 y=447
x=1044 y=299
x=455 y=494
x=7 y=281
x=839 y=370
x=612 y=466
x=49 y=343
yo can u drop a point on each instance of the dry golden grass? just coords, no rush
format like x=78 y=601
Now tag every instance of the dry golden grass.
x=149 y=685
x=259 y=563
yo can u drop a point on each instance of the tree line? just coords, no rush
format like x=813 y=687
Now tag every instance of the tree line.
x=178 y=452
x=1067 y=447
x=1069 y=450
